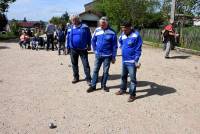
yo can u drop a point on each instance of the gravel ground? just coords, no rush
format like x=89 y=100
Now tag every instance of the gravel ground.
x=36 y=89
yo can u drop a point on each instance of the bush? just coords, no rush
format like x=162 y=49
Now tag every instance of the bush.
x=7 y=35
x=191 y=38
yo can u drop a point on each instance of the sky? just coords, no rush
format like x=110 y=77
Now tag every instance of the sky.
x=44 y=9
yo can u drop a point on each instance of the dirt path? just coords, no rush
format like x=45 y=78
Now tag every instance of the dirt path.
x=36 y=89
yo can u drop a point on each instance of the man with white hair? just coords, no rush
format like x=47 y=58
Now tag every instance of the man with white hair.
x=79 y=43
x=104 y=43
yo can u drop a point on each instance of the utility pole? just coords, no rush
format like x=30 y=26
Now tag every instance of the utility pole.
x=173 y=9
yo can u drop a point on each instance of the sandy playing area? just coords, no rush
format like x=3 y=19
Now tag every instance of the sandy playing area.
x=36 y=89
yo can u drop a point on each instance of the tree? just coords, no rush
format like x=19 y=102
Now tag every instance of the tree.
x=4 y=5
x=65 y=17
x=3 y=22
x=186 y=7
x=134 y=10
x=60 y=20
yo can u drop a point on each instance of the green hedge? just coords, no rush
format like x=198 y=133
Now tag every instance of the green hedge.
x=190 y=37
x=7 y=36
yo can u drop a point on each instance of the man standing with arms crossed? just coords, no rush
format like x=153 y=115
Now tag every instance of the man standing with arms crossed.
x=104 y=43
x=131 y=45
x=79 y=43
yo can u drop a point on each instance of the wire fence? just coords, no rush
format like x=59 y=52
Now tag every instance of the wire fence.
x=189 y=36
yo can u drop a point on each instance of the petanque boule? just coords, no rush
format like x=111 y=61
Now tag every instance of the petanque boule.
x=52 y=125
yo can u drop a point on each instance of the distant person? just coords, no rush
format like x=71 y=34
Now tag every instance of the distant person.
x=79 y=43
x=169 y=36
x=131 y=45
x=60 y=33
x=50 y=29
x=68 y=26
x=29 y=32
x=35 y=41
x=24 y=40
x=104 y=43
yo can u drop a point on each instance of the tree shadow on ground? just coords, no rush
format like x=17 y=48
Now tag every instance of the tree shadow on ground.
x=4 y=47
x=180 y=57
x=155 y=89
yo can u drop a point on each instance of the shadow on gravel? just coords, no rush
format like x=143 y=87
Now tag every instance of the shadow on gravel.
x=10 y=41
x=154 y=89
x=113 y=77
x=180 y=57
x=4 y=47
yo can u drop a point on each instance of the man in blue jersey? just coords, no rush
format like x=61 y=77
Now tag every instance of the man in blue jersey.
x=131 y=45
x=78 y=42
x=104 y=43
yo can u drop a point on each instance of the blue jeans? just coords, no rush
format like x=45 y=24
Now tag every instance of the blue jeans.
x=99 y=60
x=128 y=68
x=74 y=53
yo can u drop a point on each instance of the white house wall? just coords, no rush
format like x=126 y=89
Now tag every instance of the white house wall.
x=89 y=17
x=197 y=23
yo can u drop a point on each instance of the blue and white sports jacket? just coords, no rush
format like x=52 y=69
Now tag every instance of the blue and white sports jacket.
x=78 y=37
x=131 y=47
x=104 y=42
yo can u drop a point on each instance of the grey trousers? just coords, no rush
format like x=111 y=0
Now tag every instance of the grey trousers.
x=167 y=48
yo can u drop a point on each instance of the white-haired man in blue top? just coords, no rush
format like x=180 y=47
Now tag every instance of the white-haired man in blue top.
x=104 y=43
x=79 y=43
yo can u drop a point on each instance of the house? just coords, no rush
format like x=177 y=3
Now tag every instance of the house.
x=30 y=24
x=196 y=21
x=89 y=16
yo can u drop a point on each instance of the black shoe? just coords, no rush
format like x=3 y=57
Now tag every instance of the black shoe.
x=75 y=81
x=106 y=89
x=91 y=89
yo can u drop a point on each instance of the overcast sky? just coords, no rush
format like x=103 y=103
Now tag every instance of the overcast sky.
x=44 y=9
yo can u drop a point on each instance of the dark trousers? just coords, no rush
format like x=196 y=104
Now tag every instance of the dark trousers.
x=50 y=40
x=74 y=53
x=61 y=46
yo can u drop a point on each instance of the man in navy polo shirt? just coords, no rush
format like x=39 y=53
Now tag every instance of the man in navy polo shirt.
x=131 y=45
x=79 y=43
x=104 y=43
